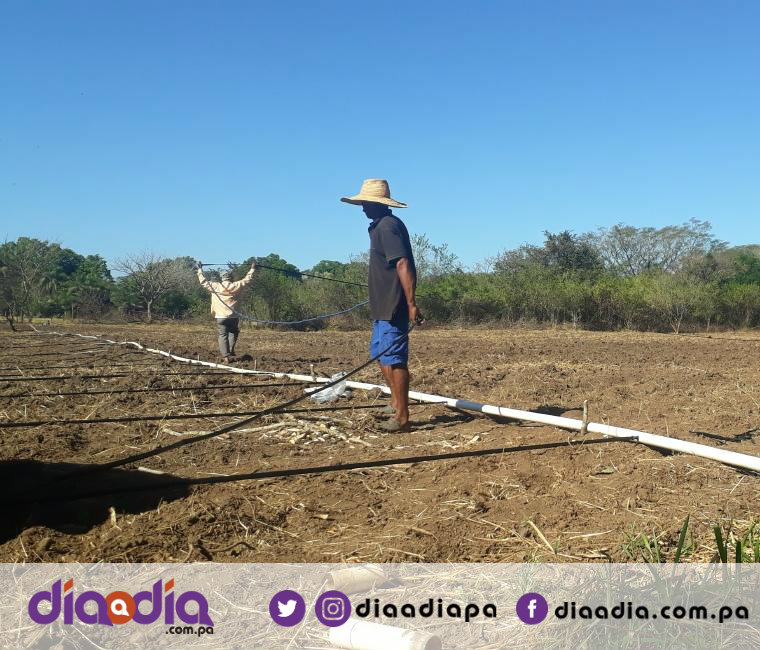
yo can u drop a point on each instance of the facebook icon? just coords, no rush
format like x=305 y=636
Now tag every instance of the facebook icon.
x=532 y=608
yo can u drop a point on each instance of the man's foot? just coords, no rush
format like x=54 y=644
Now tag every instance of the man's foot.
x=394 y=426
x=388 y=410
x=226 y=359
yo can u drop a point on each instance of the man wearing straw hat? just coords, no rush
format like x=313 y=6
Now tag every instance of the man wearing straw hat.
x=392 y=286
x=224 y=301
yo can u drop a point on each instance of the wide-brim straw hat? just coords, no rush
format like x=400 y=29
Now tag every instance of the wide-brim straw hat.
x=374 y=190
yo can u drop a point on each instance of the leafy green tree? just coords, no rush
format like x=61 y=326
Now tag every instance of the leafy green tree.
x=747 y=269
x=271 y=295
x=561 y=252
x=565 y=251
x=87 y=290
x=675 y=298
x=329 y=268
x=126 y=296
x=9 y=281
x=30 y=274
x=740 y=304
x=187 y=296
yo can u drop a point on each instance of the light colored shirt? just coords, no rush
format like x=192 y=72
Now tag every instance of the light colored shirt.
x=224 y=295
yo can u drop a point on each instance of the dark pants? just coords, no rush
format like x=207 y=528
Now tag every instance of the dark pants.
x=228 y=330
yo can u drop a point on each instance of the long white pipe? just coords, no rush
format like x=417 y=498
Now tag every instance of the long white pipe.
x=356 y=579
x=364 y=635
x=734 y=458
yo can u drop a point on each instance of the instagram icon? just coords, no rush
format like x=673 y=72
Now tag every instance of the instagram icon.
x=332 y=608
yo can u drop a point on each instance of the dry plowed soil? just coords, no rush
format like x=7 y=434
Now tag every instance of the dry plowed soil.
x=535 y=493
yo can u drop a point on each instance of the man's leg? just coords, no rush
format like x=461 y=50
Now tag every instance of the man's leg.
x=400 y=390
x=397 y=378
x=376 y=346
x=390 y=339
x=388 y=376
x=221 y=328
x=234 y=331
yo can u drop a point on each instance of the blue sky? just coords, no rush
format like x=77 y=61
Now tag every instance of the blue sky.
x=224 y=130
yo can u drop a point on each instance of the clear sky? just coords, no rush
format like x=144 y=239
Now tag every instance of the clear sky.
x=222 y=130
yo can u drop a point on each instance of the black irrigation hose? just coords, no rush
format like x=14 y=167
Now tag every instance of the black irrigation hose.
x=189 y=416
x=51 y=341
x=230 y=427
x=71 y=360
x=158 y=389
x=50 y=354
x=311 y=275
x=51 y=344
x=306 y=471
x=4 y=378
x=287 y=323
x=86 y=365
x=295 y=273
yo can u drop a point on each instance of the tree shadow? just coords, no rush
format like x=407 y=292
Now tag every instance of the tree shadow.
x=722 y=440
x=33 y=493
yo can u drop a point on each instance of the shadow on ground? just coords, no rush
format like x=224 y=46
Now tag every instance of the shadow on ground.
x=544 y=409
x=33 y=493
x=722 y=440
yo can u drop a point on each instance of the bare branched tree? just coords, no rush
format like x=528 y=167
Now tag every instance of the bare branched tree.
x=630 y=250
x=431 y=260
x=152 y=277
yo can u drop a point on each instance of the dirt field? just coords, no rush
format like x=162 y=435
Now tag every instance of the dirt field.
x=551 y=495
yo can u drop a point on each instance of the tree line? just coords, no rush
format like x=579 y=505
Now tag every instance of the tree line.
x=655 y=279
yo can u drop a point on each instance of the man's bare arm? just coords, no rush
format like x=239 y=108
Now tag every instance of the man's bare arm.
x=240 y=284
x=202 y=279
x=409 y=285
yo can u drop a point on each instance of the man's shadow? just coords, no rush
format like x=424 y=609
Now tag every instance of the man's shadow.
x=34 y=493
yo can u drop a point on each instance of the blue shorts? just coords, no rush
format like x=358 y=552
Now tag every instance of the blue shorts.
x=391 y=334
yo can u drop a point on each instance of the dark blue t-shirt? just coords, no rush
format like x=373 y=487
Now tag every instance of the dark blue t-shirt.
x=389 y=241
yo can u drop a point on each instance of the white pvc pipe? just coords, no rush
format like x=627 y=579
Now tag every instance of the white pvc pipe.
x=734 y=458
x=356 y=579
x=363 y=635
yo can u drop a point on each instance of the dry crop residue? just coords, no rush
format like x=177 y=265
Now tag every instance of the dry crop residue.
x=552 y=495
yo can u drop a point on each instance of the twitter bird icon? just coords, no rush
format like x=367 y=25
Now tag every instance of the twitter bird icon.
x=287 y=608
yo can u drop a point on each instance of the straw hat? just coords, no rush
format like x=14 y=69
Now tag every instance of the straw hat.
x=374 y=190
